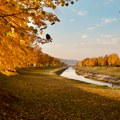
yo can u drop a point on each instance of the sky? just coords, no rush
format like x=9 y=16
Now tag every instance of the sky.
x=89 y=28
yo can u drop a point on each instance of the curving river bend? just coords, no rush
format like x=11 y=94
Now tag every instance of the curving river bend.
x=70 y=73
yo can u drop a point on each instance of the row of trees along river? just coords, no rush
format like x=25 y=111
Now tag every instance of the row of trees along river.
x=22 y=23
x=111 y=60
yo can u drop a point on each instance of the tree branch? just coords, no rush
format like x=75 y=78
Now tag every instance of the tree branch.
x=7 y=15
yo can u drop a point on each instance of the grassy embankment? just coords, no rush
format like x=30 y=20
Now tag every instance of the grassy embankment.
x=38 y=94
x=112 y=71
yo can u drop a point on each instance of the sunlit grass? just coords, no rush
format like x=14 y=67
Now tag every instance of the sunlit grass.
x=113 y=71
x=37 y=95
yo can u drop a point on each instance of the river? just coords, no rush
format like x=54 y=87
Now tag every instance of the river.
x=70 y=73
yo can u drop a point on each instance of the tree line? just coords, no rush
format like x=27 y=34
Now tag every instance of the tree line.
x=111 y=60
x=32 y=57
x=45 y=60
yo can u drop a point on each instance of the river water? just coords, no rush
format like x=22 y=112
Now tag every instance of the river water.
x=70 y=73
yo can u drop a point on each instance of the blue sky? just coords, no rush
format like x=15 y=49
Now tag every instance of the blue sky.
x=89 y=28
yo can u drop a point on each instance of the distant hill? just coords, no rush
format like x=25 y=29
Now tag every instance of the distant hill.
x=68 y=62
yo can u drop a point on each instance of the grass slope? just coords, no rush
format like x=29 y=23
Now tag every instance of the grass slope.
x=113 y=71
x=36 y=94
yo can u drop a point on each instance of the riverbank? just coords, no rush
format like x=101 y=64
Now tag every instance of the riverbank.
x=60 y=71
x=37 y=95
x=105 y=74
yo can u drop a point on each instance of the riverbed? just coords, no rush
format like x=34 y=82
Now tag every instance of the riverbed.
x=70 y=73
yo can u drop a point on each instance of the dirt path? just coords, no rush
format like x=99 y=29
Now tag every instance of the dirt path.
x=36 y=96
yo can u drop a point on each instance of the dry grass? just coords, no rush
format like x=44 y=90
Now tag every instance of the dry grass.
x=113 y=71
x=36 y=95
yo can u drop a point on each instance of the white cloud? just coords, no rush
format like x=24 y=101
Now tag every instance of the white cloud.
x=99 y=25
x=106 y=42
x=84 y=36
x=104 y=22
x=109 y=0
x=103 y=41
x=82 y=13
x=71 y=20
x=91 y=28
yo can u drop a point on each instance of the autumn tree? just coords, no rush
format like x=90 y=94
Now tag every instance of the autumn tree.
x=101 y=61
x=112 y=60
x=106 y=60
x=21 y=23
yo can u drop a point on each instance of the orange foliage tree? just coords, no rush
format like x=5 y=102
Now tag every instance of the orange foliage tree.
x=112 y=60
x=15 y=33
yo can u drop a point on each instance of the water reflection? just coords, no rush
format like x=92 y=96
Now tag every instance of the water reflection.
x=70 y=73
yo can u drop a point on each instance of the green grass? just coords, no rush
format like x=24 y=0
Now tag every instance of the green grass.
x=36 y=95
x=113 y=71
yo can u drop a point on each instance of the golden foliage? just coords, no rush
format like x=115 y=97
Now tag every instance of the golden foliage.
x=16 y=35
x=111 y=60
